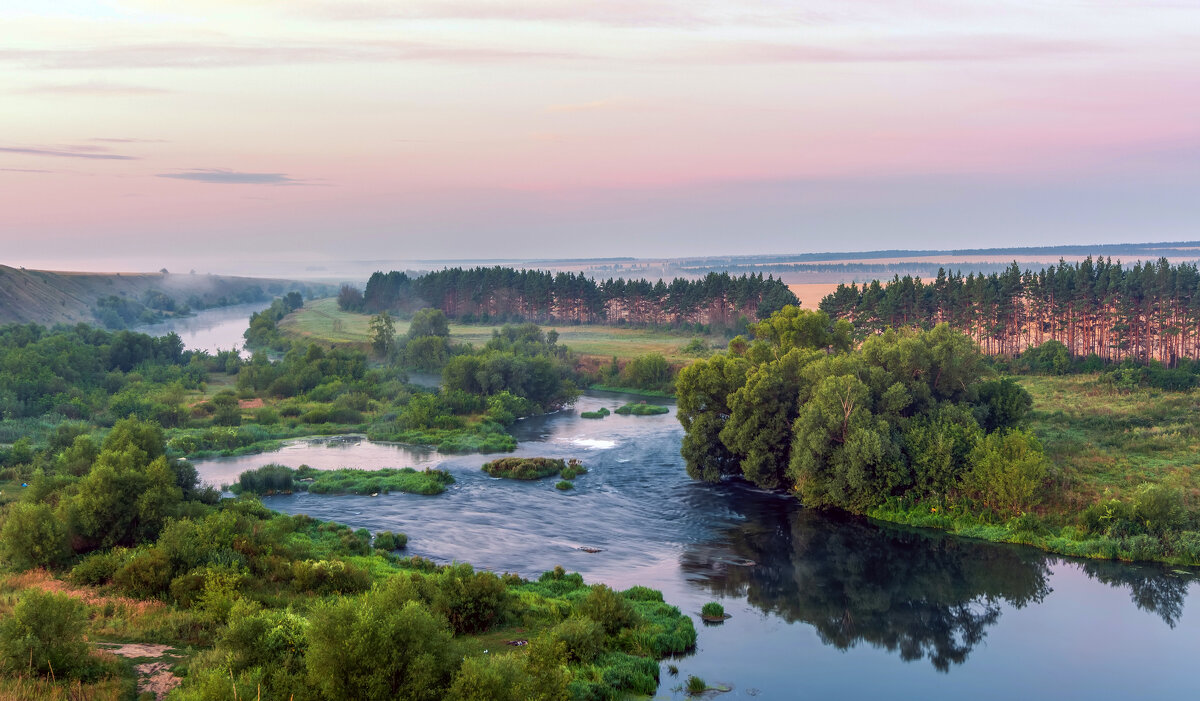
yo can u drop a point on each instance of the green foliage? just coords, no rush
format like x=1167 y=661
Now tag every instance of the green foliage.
x=387 y=540
x=573 y=469
x=429 y=322
x=363 y=648
x=524 y=468
x=45 y=633
x=272 y=479
x=695 y=685
x=642 y=409
x=712 y=610
x=648 y=372
x=31 y=536
x=383 y=334
x=1007 y=468
x=598 y=414
x=563 y=486
x=609 y=609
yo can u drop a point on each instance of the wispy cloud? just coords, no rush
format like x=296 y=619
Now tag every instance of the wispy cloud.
x=585 y=106
x=25 y=170
x=95 y=88
x=119 y=140
x=74 y=152
x=614 y=13
x=983 y=48
x=222 y=176
x=224 y=55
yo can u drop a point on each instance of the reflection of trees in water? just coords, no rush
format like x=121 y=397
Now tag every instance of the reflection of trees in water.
x=916 y=594
x=1152 y=589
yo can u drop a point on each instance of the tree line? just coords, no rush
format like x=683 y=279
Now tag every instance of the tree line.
x=498 y=293
x=1147 y=311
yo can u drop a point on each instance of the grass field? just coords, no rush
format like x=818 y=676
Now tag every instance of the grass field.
x=1098 y=438
x=323 y=322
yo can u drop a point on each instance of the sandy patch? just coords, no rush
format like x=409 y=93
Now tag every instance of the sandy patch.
x=256 y=403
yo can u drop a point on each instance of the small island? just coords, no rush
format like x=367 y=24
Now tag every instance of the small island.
x=534 y=468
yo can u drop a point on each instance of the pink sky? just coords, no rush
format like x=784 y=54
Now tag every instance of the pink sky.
x=471 y=128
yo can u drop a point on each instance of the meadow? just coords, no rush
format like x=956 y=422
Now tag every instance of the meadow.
x=321 y=321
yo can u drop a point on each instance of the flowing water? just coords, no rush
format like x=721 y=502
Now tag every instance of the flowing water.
x=822 y=606
x=219 y=328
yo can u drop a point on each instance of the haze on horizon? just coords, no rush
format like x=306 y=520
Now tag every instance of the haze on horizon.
x=157 y=131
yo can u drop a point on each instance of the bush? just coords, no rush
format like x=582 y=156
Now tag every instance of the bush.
x=524 y=468
x=598 y=414
x=583 y=638
x=45 y=631
x=472 y=601
x=573 y=469
x=712 y=610
x=146 y=575
x=329 y=577
x=605 y=607
x=98 y=568
x=564 y=485
x=32 y=536
x=1007 y=469
x=387 y=540
x=636 y=675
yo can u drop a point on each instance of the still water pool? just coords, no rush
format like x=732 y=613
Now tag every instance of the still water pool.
x=823 y=606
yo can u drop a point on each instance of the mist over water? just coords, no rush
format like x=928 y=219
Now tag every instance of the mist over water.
x=211 y=330
x=823 y=605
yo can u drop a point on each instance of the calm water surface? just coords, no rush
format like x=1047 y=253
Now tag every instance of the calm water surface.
x=823 y=606
x=210 y=330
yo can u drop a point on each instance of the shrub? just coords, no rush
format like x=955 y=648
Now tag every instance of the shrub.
x=573 y=469
x=387 y=540
x=266 y=416
x=31 y=536
x=564 y=485
x=147 y=574
x=492 y=677
x=472 y=601
x=598 y=414
x=712 y=610
x=366 y=649
x=524 y=468
x=636 y=675
x=605 y=607
x=45 y=631
x=1007 y=468
x=583 y=638
x=98 y=568
x=329 y=577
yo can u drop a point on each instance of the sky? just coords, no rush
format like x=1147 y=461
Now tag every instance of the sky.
x=191 y=134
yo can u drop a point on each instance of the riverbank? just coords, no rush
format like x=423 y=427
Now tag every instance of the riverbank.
x=1124 y=481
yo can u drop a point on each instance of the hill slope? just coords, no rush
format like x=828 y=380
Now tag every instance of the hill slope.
x=51 y=297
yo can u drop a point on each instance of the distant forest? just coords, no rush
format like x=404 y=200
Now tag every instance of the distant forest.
x=1148 y=311
x=497 y=293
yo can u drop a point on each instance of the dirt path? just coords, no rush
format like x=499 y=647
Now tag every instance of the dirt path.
x=154 y=676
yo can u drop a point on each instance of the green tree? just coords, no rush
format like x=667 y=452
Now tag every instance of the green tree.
x=429 y=322
x=383 y=333
x=702 y=391
x=31 y=536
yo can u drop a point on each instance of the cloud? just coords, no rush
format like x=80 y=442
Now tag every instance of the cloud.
x=585 y=106
x=231 y=177
x=984 y=48
x=224 y=55
x=26 y=170
x=109 y=140
x=94 y=88
x=75 y=152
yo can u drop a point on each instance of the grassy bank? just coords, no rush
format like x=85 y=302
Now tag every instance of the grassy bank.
x=302 y=610
x=1124 y=482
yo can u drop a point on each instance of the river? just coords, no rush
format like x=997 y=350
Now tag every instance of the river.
x=822 y=606
x=219 y=328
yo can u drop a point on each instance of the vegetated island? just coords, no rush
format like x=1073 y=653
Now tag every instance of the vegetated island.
x=642 y=409
x=279 y=479
x=918 y=427
x=534 y=468
x=249 y=603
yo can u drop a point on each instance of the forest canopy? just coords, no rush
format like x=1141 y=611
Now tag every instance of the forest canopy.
x=909 y=413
